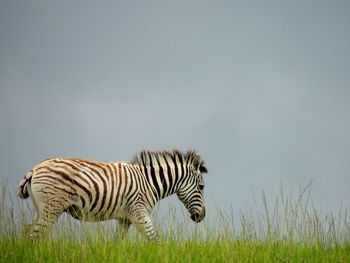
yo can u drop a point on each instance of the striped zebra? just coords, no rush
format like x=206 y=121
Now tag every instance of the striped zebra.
x=125 y=191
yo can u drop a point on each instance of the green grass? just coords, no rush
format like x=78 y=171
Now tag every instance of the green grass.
x=287 y=230
x=63 y=250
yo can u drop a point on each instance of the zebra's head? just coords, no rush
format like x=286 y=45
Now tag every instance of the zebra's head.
x=192 y=188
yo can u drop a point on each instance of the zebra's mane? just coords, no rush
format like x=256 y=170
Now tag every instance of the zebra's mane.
x=146 y=157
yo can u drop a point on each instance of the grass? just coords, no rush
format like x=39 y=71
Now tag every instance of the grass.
x=188 y=251
x=287 y=230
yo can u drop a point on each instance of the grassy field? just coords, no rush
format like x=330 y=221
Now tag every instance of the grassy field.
x=62 y=250
x=289 y=230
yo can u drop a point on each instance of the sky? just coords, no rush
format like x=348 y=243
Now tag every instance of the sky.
x=259 y=88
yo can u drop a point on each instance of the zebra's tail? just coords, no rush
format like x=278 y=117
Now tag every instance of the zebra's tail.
x=23 y=185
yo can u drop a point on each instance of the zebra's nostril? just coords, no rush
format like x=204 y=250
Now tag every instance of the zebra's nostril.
x=195 y=217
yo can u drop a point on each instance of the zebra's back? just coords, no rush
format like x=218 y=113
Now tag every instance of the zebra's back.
x=91 y=190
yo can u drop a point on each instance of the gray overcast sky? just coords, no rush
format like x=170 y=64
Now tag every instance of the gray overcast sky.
x=260 y=88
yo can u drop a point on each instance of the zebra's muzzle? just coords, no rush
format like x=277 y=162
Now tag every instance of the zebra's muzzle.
x=198 y=217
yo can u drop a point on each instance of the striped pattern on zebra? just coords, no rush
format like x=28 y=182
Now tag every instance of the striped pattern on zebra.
x=96 y=191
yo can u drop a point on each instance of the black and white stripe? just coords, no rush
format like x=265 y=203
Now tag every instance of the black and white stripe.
x=95 y=191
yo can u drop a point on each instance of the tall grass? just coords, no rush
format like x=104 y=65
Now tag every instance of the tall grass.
x=289 y=228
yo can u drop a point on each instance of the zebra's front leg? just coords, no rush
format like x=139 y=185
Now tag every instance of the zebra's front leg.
x=123 y=227
x=141 y=219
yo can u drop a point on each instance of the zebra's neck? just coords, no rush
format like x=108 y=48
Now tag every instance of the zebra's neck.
x=165 y=170
x=165 y=179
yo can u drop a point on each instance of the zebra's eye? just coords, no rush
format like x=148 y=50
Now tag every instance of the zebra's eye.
x=201 y=187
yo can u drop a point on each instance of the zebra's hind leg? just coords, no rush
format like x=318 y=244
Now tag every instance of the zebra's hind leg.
x=50 y=205
x=26 y=229
x=141 y=219
x=40 y=226
x=122 y=228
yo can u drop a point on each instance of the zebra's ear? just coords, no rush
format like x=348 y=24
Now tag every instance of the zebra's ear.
x=203 y=169
x=197 y=164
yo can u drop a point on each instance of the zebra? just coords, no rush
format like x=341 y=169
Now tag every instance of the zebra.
x=126 y=191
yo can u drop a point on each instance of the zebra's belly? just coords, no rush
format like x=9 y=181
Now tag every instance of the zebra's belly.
x=85 y=215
